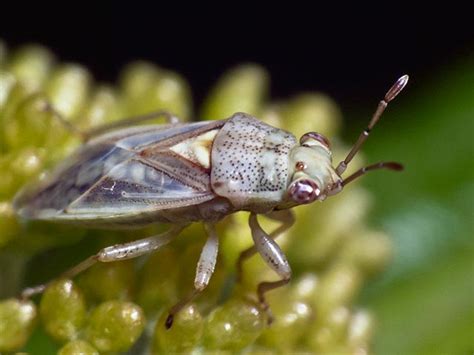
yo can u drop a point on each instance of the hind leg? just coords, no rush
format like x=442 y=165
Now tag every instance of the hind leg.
x=113 y=253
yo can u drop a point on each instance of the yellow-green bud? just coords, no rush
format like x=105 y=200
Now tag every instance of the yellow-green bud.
x=63 y=310
x=17 y=319
x=76 y=347
x=31 y=65
x=115 y=326
x=68 y=89
x=234 y=325
x=242 y=89
x=183 y=336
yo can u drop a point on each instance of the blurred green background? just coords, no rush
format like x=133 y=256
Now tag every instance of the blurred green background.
x=425 y=300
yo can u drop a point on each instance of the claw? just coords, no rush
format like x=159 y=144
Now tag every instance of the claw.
x=169 y=321
x=266 y=308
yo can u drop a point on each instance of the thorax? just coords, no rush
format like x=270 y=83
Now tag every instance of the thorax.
x=249 y=162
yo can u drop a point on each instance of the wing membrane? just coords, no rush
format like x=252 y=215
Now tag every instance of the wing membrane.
x=122 y=173
x=136 y=186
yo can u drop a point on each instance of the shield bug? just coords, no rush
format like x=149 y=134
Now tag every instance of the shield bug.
x=179 y=173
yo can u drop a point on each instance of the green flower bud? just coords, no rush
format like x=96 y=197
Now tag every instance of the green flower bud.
x=9 y=226
x=329 y=331
x=325 y=341
x=241 y=89
x=338 y=287
x=311 y=112
x=17 y=319
x=159 y=279
x=32 y=124
x=115 y=326
x=7 y=179
x=17 y=168
x=292 y=317
x=183 y=336
x=292 y=313
x=28 y=163
x=361 y=329
x=108 y=281
x=336 y=221
x=170 y=93
x=147 y=89
x=76 y=347
x=234 y=325
x=369 y=250
x=68 y=89
x=63 y=310
x=102 y=108
x=32 y=66
x=15 y=95
x=305 y=287
x=7 y=83
x=135 y=81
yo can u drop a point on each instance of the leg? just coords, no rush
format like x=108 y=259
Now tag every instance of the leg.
x=113 y=253
x=286 y=217
x=204 y=271
x=274 y=257
x=72 y=128
x=130 y=121
x=86 y=135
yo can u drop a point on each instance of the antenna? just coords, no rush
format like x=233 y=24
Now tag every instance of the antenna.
x=382 y=165
x=389 y=96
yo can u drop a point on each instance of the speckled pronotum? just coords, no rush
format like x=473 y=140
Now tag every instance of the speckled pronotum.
x=129 y=175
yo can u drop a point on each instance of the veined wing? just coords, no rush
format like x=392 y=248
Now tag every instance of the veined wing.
x=126 y=172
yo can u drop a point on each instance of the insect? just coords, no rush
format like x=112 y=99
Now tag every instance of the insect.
x=179 y=173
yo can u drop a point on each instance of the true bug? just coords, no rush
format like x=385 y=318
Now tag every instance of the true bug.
x=182 y=173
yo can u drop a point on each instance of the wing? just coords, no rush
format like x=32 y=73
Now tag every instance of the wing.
x=127 y=172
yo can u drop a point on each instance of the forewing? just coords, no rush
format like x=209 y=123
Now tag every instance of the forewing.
x=125 y=172
x=135 y=186
x=68 y=181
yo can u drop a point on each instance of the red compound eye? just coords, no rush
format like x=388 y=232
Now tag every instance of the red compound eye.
x=304 y=191
x=306 y=139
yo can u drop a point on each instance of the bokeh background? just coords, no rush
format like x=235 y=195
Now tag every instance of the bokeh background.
x=424 y=302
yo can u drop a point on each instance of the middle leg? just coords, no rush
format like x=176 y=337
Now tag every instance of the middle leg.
x=204 y=270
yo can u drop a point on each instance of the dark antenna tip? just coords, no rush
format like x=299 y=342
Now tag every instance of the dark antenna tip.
x=394 y=166
x=391 y=165
x=396 y=88
x=389 y=96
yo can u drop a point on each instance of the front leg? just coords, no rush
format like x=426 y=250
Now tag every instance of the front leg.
x=287 y=219
x=274 y=257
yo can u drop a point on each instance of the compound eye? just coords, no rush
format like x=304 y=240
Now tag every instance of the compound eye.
x=304 y=191
x=308 y=139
